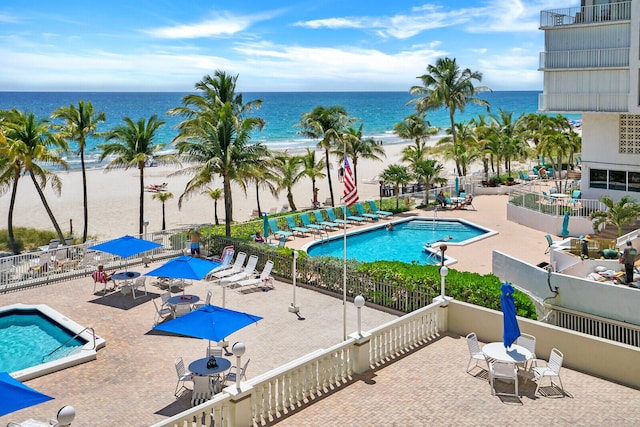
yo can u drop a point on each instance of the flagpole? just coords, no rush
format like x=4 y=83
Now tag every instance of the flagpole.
x=344 y=258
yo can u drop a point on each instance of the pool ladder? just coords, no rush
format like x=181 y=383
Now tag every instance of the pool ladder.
x=93 y=334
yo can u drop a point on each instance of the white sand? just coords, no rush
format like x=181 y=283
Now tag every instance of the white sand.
x=114 y=199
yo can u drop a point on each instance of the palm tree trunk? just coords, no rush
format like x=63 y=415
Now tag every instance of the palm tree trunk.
x=355 y=170
x=215 y=211
x=397 y=195
x=164 y=226
x=257 y=200
x=454 y=139
x=290 y=200
x=228 y=206
x=141 y=221
x=84 y=197
x=47 y=208
x=14 y=190
x=326 y=158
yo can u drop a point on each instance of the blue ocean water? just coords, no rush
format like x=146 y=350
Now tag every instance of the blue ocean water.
x=379 y=111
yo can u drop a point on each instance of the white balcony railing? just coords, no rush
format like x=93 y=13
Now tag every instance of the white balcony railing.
x=620 y=11
x=583 y=102
x=592 y=58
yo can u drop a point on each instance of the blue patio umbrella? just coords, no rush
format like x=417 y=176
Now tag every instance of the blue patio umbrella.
x=16 y=396
x=511 y=330
x=184 y=267
x=126 y=246
x=265 y=226
x=209 y=322
x=565 y=225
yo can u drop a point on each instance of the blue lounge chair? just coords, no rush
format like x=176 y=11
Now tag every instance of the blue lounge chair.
x=273 y=226
x=320 y=220
x=332 y=217
x=375 y=210
x=361 y=212
x=350 y=217
x=307 y=223
x=291 y=223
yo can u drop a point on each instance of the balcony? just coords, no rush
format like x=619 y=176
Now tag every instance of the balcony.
x=583 y=102
x=592 y=58
x=612 y=12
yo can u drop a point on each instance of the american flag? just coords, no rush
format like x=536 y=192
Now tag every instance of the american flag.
x=350 y=190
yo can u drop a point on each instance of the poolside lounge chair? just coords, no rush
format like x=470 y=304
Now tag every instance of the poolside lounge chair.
x=235 y=268
x=332 y=217
x=273 y=226
x=248 y=270
x=261 y=280
x=550 y=242
x=225 y=262
x=350 y=217
x=307 y=223
x=361 y=212
x=320 y=220
x=375 y=210
x=291 y=223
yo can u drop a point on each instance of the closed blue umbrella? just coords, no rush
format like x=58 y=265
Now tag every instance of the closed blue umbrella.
x=457 y=186
x=126 y=246
x=184 y=267
x=16 y=396
x=209 y=322
x=265 y=226
x=565 y=225
x=511 y=330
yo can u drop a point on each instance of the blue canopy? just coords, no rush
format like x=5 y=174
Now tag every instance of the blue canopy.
x=565 y=225
x=184 y=267
x=16 y=396
x=126 y=246
x=209 y=322
x=511 y=330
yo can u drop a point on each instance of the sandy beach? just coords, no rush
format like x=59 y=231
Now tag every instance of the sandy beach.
x=114 y=195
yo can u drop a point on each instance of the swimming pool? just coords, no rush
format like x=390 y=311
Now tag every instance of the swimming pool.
x=406 y=242
x=36 y=340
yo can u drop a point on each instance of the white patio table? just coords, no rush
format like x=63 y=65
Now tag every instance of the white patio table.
x=514 y=354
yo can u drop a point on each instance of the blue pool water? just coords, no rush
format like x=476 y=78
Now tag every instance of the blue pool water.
x=27 y=336
x=405 y=243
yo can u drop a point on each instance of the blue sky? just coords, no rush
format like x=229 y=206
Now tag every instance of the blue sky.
x=296 y=45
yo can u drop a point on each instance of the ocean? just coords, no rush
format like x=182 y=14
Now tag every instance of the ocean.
x=379 y=111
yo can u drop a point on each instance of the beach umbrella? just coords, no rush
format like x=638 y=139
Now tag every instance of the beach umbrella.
x=565 y=225
x=126 y=246
x=511 y=330
x=16 y=396
x=265 y=226
x=209 y=322
x=184 y=267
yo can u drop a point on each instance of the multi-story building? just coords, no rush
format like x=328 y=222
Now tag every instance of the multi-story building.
x=591 y=65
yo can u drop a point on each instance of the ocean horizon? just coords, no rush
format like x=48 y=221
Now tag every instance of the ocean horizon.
x=379 y=111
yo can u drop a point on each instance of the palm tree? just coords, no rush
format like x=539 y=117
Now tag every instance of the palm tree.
x=557 y=143
x=625 y=211
x=263 y=177
x=445 y=85
x=510 y=136
x=163 y=197
x=312 y=169
x=289 y=171
x=134 y=148
x=398 y=175
x=26 y=151
x=215 y=194
x=428 y=171
x=327 y=125
x=215 y=136
x=357 y=147
x=416 y=128
x=80 y=123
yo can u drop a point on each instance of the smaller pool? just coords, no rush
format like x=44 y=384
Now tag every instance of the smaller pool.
x=36 y=340
x=406 y=242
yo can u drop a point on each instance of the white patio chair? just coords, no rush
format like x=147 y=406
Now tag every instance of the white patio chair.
x=139 y=283
x=249 y=270
x=181 y=310
x=183 y=375
x=261 y=280
x=233 y=371
x=236 y=267
x=207 y=301
x=164 y=297
x=202 y=389
x=474 y=352
x=503 y=371
x=214 y=351
x=529 y=342
x=161 y=313
x=551 y=370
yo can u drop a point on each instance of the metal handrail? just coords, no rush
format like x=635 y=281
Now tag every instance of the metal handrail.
x=93 y=334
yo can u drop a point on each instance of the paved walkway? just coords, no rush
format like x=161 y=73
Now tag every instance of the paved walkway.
x=132 y=381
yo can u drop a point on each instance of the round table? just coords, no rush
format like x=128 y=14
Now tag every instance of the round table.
x=199 y=367
x=183 y=299
x=514 y=354
x=127 y=275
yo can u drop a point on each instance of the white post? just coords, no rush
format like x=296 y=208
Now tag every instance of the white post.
x=293 y=308
x=443 y=273
x=358 y=301
x=238 y=350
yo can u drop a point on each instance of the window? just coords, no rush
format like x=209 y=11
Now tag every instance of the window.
x=618 y=180
x=634 y=182
x=597 y=178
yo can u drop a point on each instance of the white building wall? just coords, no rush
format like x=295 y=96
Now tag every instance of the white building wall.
x=634 y=59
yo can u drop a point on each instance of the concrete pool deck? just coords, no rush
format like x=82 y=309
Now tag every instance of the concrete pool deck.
x=133 y=379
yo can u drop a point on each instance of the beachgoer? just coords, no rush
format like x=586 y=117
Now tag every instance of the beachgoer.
x=584 y=247
x=195 y=236
x=101 y=276
x=340 y=173
x=258 y=238
x=441 y=199
x=629 y=258
x=389 y=226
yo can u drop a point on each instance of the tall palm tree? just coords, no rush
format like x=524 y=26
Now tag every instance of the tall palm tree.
x=508 y=132
x=81 y=122
x=290 y=171
x=358 y=148
x=416 y=128
x=312 y=168
x=445 y=85
x=398 y=175
x=163 y=197
x=466 y=151
x=215 y=194
x=25 y=148
x=327 y=125
x=263 y=177
x=625 y=211
x=134 y=147
x=215 y=137
x=428 y=171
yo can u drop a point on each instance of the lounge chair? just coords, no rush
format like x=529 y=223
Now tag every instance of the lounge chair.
x=549 y=242
x=361 y=212
x=260 y=281
x=235 y=268
x=350 y=217
x=249 y=270
x=332 y=217
x=273 y=226
x=291 y=223
x=375 y=210
x=307 y=223
x=320 y=220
